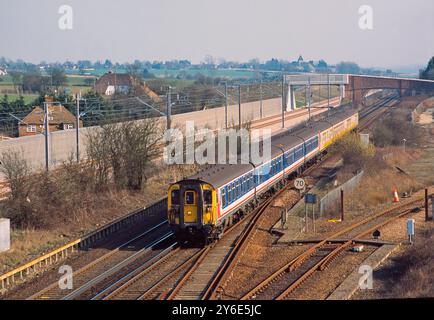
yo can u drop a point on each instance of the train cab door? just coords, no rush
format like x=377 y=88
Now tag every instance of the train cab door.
x=190 y=206
x=209 y=203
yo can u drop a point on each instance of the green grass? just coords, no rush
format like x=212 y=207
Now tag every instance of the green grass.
x=5 y=80
x=28 y=98
x=79 y=81
x=209 y=73
x=163 y=73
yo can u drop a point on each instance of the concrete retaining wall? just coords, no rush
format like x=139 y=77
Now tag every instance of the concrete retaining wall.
x=5 y=235
x=62 y=144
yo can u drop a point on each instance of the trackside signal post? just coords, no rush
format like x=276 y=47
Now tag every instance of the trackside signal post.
x=310 y=198
x=410 y=230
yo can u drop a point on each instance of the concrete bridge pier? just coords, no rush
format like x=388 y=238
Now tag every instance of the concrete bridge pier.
x=341 y=93
x=290 y=103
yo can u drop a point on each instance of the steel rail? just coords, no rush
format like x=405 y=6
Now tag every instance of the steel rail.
x=296 y=262
x=168 y=276
x=133 y=276
x=235 y=255
x=325 y=262
x=76 y=293
x=101 y=259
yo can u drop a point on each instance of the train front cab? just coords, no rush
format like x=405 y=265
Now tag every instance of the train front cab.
x=192 y=209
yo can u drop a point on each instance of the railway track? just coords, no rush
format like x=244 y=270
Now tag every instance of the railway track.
x=273 y=120
x=146 y=282
x=122 y=274
x=321 y=255
x=203 y=279
x=129 y=254
x=217 y=286
x=372 y=113
x=194 y=283
x=185 y=273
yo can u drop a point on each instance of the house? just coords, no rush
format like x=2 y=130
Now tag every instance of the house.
x=59 y=118
x=111 y=83
x=3 y=72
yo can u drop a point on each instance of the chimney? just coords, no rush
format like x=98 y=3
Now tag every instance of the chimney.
x=49 y=100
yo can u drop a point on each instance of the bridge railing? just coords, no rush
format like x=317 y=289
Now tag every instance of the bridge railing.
x=317 y=79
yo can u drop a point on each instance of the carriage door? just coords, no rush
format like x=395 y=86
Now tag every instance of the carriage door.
x=190 y=206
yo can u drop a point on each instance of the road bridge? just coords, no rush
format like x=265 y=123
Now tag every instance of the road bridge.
x=357 y=86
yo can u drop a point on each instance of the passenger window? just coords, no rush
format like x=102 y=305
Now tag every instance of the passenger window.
x=174 y=195
x=223 y=198
x=207 y=197
x=239 y=188
x=189 y=197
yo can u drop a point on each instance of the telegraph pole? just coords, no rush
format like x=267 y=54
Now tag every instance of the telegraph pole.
x=260 y=101
x=46 y=130
x=77 y=126
x=283 y=101
x=309 y=96
x=169 y=107
x=226 y=105
x=239 y=107
x=328 y=94
x=328 y=90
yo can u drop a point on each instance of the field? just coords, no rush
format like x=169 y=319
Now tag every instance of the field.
x=209 y=73
x=28 y=98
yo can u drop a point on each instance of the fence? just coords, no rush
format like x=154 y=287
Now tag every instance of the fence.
x=331 y=201
x=9 y=278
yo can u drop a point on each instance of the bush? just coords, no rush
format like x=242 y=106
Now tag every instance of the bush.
x=393 y=131
x=40 y=200
x=353 y=151
x=16 y=170
x=125 y=150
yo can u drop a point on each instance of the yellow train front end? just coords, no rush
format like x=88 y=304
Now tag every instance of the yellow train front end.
x=192 y=210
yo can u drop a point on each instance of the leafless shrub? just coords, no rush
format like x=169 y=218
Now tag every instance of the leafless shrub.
x=97 y=153
x=16 y=170
x=394 y=129
x=126 y=150
x=141 y=141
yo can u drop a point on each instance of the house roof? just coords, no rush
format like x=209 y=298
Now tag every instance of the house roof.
x=58 y=114
x=118 y=79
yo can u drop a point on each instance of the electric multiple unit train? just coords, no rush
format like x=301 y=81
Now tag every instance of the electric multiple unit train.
x=203 y=205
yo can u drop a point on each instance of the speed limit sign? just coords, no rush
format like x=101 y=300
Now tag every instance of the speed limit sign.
x=299 y=184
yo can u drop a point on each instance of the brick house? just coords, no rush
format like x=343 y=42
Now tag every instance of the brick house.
x=59 y=118
x=111 y=82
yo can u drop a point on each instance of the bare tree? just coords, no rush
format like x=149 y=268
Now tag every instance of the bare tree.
x=126 y=150
x=97 y=151
x=141 y=146
x=17 y=171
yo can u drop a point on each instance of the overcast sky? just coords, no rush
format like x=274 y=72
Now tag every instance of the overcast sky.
x=240 y=30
